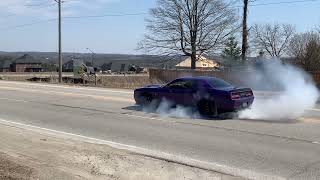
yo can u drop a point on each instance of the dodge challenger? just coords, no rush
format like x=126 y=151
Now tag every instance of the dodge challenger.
x=209 y=95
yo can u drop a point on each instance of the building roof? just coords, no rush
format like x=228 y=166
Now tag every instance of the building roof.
x=26 y=59
x=5 y=64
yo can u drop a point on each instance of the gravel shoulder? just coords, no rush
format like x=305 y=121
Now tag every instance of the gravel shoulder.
x=25 y=154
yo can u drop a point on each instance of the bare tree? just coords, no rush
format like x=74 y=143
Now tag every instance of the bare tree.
x=190 y=27
x=273 y=39
x=305 y=47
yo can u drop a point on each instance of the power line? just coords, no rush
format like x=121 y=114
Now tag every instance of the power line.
x=105 y=15
x=30 y=6
x=36 y=5
x=283 y=2
x=28 y=24
x=276 y=3
x=137 y=14
x=68 y=17
x=39 y=6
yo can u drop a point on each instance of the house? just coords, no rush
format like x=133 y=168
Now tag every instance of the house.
x=201 y=63
x=26 y=63
x=106 y=66
x=5 y=66
x=71 y=65
x=119 y=67
x=68 y=66
x=159 y=62
x=34 y=68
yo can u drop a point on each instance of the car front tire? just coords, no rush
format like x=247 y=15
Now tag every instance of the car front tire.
x=146 y=99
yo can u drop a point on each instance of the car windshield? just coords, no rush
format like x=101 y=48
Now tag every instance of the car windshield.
x=218 y=83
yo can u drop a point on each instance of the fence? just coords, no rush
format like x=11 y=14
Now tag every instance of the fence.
x=169 y=75
x=316 y=77
x=239 y=78
x=110 y=81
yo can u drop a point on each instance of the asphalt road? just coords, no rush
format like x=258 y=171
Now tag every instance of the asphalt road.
x=276 y=149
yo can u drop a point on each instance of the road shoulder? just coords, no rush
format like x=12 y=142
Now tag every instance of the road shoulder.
x=25 y=154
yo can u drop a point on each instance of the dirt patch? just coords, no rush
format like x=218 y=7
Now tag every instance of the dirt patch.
x=14 y=170
x=25 y=154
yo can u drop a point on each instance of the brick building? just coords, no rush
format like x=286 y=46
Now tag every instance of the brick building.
x=26 y=63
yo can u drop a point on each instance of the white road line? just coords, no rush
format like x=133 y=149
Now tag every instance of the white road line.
x=156 y=154
x=101 y=97
x=16 y=100
x=68 y=87
x=314 y=109
x=124 y=114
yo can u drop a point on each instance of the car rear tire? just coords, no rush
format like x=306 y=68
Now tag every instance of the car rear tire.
x=207 y=108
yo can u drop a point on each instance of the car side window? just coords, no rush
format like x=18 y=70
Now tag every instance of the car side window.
x=181 y=84
x=189 y=84
x=175 y=85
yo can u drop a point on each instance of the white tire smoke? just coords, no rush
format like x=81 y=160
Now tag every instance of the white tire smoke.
x=167 y=109
x=295 y=92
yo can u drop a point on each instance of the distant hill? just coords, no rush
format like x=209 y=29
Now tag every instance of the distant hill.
x=98 y=59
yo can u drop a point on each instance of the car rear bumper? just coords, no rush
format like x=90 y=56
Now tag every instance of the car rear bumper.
x=243 y=103
x=238 y=104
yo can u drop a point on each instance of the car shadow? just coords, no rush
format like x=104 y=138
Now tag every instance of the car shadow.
x=221 y=117
x=280 y=121
x=196 y=116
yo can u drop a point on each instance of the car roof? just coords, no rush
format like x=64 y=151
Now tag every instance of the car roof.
x=205 y=78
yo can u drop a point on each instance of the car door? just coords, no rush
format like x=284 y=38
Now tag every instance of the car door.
x=187 y=92
x=181 y=92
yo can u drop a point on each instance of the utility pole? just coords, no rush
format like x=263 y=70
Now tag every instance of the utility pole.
x=244 y=30
x=60 y=44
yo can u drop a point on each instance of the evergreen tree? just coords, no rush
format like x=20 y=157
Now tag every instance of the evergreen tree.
x=232 y=51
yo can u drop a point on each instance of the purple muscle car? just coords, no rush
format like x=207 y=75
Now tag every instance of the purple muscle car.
x=209 y=95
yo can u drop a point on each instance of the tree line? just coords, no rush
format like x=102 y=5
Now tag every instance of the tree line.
x=206 y=27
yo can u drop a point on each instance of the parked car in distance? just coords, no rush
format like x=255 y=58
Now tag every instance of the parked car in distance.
x=209 y=95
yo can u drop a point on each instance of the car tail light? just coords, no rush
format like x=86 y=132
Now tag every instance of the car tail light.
x=235 y=96
x=238 y=95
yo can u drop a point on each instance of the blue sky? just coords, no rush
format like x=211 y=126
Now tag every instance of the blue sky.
x=113 y=34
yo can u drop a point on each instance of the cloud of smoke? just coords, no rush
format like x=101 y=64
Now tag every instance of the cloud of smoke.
x=168 y=109
x=293 y=92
